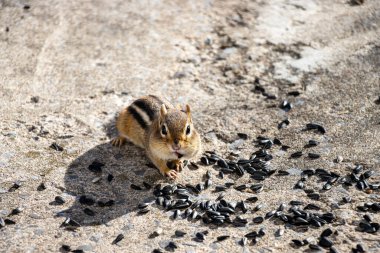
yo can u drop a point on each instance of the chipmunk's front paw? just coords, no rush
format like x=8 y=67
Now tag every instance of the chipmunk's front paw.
x=118 y=141
x=176 y=165
x=172 y=174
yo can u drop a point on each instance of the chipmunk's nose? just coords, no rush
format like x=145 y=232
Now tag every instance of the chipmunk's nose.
x=176 y=144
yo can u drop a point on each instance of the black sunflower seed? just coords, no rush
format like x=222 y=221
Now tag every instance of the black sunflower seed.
x=296 y=154
x=298 y=243
x=204 y=160
x=157 y=251
x=360 y=248
x=279 y=232
x=143 y=211
x=222 y=238
x=258 y=207
x=282 y=173
x=66 y=248
x=327 y=232
x=286 y=106
x=314 y=196
x=257 y=187
x=251 y=235
x=261 y=232
x=258 y=220
x=311 y=143
x=41 y=187
x=367 y=218
x=118 y=238
x=368 y=174
x=285 y=147
x=281 y=125
x=220 y=188
x=243 y=136
x=270 y=214
x=313 y=156
x=96 y=166
x=147 y=185
x=241 y=187
x=294 y=93
x=258 y=177
x=14 y=187
x=327 y=186
x=199 y=237
x=9 y=222
x=319 y=128
x=89 y=212
x=296 y=203
x=136 y=187
x=143 y=205
x=243 y=241
x=16 y=211
x=78 y=251
x=193 y=165
x=220 y=196
x=110 y=177
x=59 y=200
x=179 y=233
x=86 y=200
x=325 y=242
x=277 y=142
x=176 y=214
x=315 y=247
x=252 y=199
x=222 y=163
x=358 y=169
x=56 y=147
x=299 y=185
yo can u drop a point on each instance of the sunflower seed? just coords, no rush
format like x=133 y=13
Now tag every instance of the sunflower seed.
x=258 y=220
x=96 y=166
x=89 y=212
x=56 y=147
x=327 y=232
x=204 y=160
x=325 y=242
x=279 y=232
x=59 y=200
x=135 y=187
x=179 y=233
x=313 y=156
x=41 y=187
x=296 y=154
x=319 y=128
x=118 y=239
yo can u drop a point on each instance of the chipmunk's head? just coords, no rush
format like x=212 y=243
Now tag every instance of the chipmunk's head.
x=176 y=133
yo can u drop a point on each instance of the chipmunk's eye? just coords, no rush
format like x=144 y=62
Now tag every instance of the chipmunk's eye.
x=163 y=130
x=188 y=130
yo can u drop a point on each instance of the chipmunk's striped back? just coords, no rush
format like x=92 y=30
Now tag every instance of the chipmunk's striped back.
x=134 y=121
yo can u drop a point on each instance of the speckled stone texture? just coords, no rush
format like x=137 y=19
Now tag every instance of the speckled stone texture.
x=68 y=67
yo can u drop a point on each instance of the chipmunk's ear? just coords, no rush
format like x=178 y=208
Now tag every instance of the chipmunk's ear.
x=163 y=111
x=188 y=112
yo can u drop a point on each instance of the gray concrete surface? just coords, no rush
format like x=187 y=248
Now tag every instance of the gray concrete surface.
x=85 y=60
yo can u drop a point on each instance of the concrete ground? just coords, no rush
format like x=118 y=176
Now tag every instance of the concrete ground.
x=68 y=67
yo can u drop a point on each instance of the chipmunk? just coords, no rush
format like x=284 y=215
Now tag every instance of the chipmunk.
x=165 y=132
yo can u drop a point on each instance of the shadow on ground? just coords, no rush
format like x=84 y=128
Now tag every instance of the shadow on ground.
x=104 y=175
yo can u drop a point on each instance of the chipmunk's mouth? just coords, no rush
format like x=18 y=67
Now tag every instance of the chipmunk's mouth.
x=179 y=155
